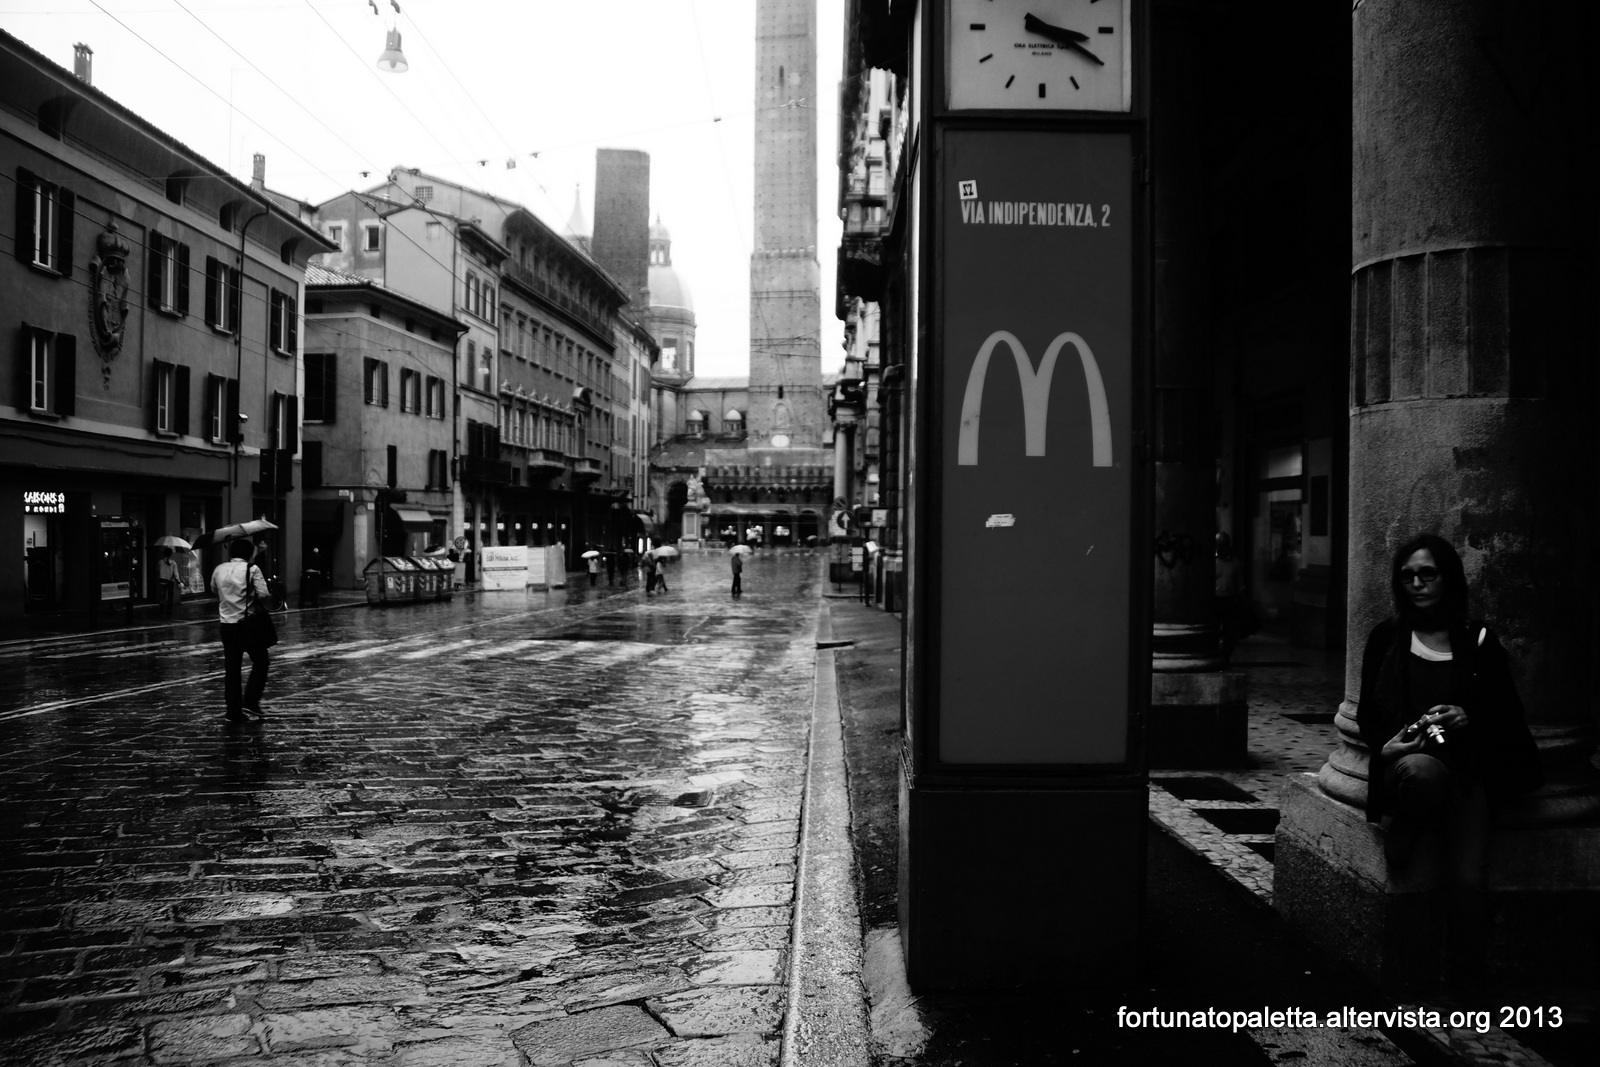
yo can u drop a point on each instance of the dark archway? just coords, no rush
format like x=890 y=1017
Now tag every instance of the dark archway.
x=677 y=497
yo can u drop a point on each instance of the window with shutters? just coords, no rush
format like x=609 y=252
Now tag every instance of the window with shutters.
x=48 y=371
x=322 y=387
x=170 y=398
x=407 y=379
x=48 y=365
x=44 y=223
x=222 y=409
x=435 y=398
x=285 y=435
x=222 y=296
x=376 y=382
x=168 y=274
x=283 y=324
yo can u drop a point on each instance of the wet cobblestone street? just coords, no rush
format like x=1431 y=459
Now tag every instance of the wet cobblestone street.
x=539 y=828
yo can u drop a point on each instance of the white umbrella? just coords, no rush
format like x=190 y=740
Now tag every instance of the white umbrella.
x=664 y=552
x=238 y=529
x=591 y=554
x=741 y=550
x=169 y=541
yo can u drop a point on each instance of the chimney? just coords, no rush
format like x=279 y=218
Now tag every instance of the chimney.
x=83 y=63
x=258 y=176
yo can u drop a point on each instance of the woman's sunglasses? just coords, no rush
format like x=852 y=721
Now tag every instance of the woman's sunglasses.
x=1424 y=575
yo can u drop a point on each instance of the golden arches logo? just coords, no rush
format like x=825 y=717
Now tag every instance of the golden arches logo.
x=1035 y=397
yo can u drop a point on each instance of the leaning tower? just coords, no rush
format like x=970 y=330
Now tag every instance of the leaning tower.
x=786 y=398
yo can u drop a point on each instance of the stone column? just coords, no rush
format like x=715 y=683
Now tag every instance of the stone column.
x=844 y=432
x=1471 y=407
x=1197 y=714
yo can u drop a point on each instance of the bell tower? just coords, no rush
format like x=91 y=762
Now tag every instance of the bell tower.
x=786 y=399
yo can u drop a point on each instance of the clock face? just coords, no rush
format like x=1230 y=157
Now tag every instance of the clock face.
x=1053 y=55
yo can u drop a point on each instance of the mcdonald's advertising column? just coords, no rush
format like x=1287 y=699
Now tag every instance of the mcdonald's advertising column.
x=1023 y=792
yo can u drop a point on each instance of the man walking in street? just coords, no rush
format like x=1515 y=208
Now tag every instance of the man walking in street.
x=736 y=561
x=240 y=586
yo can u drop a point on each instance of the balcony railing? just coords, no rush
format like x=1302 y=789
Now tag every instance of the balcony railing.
x=584 y=467
x=529 y=280
x=543 y=460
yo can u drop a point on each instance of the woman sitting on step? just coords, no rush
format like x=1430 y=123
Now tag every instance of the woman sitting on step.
x=1441 y=717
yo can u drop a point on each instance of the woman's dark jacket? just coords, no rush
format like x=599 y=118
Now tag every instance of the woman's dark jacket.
x=1496 y=736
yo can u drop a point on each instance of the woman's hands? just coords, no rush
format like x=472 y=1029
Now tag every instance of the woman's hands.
x=1447 y=716
x=1404 y=743
x=1415 y=736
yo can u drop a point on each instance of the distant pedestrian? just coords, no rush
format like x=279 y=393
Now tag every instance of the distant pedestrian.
x=611 y=568
x=736 y=561
x=241 y=588
x=167 y=581
x=593 y=561
x=647 y=563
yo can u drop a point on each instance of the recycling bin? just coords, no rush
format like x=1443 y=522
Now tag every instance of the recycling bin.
x=390 y=579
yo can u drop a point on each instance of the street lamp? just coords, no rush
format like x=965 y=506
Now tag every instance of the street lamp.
x=392 y=61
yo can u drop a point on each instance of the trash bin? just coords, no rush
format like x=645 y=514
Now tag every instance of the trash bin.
x=428 y=583
x=443 y=575
x=390 y=580
x=310 y=588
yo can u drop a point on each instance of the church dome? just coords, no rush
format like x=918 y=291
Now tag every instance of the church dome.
x=667 y=290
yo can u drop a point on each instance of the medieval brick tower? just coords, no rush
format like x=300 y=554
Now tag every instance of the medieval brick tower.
x=786 y=397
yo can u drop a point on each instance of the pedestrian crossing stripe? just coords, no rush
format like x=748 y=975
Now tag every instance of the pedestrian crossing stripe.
x=115 y=651
x=439 y=650
x=328 y=650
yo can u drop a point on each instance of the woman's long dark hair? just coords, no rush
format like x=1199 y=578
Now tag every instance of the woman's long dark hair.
x=1451 y=610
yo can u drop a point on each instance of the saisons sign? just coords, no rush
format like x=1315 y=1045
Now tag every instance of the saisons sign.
x=1036 y=317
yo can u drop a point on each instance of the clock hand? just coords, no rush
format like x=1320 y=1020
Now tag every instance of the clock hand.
x=1064 y=37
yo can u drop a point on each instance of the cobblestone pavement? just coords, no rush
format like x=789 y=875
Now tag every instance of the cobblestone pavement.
x=510 y=828
x=1229 y=815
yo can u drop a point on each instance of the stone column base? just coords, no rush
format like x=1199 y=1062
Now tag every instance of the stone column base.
x=1331 y=886
x=1196 y=719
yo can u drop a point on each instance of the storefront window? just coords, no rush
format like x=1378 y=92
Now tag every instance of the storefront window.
x=198 y=515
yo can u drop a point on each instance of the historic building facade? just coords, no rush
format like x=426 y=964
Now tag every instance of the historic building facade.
x=543 y=445
x=154 y=309
x=377 y=425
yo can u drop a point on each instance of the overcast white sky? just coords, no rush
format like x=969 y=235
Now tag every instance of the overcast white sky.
x=489 y=81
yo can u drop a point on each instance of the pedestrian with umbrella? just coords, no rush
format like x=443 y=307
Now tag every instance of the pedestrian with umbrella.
x=167 y=572
x=736 y=556
x=246 y=628
x=591 y=558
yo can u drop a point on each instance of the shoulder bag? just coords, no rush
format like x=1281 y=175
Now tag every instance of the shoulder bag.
x=258 y=628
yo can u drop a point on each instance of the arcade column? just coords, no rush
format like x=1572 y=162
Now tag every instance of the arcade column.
x=1471 y=400
x=1197 y=709
x=1023 y=794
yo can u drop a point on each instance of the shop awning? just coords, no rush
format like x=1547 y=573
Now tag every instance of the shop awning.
x=414 y=518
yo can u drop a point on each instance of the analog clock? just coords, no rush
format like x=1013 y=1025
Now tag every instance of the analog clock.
x=1055 y=55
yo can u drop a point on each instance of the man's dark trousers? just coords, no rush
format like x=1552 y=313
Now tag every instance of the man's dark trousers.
x=233 y=652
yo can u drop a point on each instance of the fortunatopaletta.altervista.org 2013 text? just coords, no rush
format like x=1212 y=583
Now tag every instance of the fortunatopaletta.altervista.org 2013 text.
x=1260 y=1018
